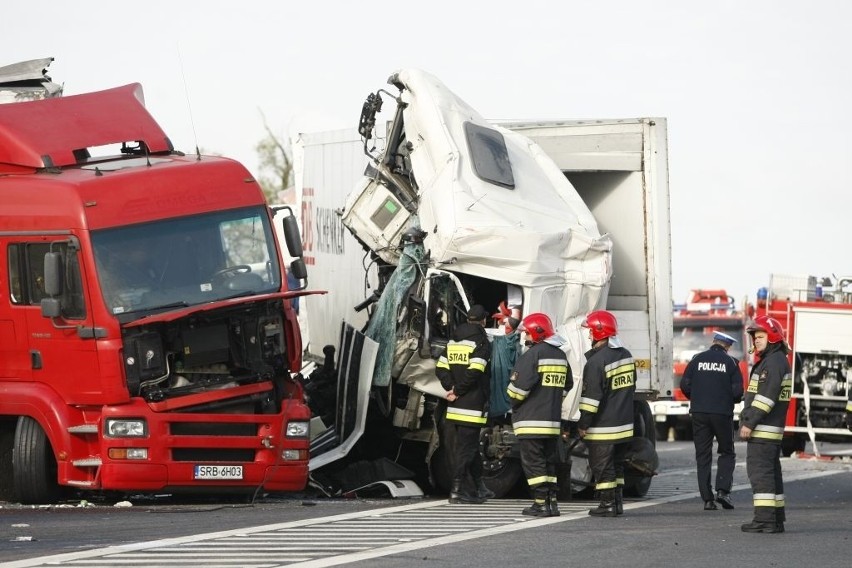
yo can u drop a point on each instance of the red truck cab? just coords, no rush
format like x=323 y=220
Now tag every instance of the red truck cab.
x=147 y=337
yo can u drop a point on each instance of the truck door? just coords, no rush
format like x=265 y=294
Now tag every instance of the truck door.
x=56 y=351
x=14 y=351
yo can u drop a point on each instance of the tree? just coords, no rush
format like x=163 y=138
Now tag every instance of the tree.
x=275 y=165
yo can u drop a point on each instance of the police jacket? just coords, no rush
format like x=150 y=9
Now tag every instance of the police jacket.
x=713 y=382
x=463 y=367
x=538 y=382
x=606 y=403
x=768 y=396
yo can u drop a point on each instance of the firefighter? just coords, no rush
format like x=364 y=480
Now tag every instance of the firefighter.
x=849 y=406
x=463 y=371
x=606 y=410
x=713 y=383
x=538 y=383
x=762 y=424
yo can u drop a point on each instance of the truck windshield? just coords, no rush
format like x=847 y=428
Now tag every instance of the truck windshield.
x=186 y=261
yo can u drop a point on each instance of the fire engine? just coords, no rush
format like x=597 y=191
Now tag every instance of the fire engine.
x=705 y=312
x=147 y=336
x=816 y=314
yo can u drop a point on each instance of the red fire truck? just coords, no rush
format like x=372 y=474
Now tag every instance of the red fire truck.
x=147 y=337
x=816 y=314
x=705 y=312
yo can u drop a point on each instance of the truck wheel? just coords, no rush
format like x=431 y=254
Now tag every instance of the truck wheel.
x=7 y=438
x=499 y=474
x=643 y=451
x=792 y=444
x=34 y=472
x=503 y=477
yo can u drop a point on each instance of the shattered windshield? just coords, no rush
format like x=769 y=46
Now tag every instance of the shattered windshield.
x=186 y=261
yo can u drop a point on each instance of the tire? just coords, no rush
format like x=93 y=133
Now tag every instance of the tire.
x=503 y=479
x=7 y=438
x=500 y=476
x=792 y=444
x=643 y=450
x=34 y=471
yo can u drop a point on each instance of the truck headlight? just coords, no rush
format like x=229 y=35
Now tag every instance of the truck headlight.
x=126 y=428
x=298 y=429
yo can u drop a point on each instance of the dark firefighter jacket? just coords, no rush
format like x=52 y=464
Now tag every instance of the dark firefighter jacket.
x=606 y=403
x=768 y=395
x=713 y=382
x=538 y=383
x=463 y=367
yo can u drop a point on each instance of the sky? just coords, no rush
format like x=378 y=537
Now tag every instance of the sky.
x=756 y=93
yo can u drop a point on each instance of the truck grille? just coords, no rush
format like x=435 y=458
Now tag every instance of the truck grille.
x=212 y=455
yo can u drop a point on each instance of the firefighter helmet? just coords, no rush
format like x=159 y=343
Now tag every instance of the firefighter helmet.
x=538 y=326
x=602 y=324
x=773 y=329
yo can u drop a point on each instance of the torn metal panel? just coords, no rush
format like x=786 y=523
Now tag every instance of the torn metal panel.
x=27 y=81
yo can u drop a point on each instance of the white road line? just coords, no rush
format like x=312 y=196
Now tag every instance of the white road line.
x=428 y=519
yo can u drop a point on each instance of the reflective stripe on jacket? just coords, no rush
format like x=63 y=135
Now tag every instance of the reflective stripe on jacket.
x=767 y=397
x=462 y=367
x=538 y=383
x=606 y=403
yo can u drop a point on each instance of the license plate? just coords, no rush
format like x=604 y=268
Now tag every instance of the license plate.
x=218 y=472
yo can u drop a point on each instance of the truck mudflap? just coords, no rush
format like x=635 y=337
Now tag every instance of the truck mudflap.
x=356 y=362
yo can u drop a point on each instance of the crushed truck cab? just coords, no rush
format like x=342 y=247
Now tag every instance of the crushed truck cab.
x=444 y=209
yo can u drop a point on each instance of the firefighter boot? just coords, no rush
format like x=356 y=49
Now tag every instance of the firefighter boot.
x=482 y=490
x=552 y=503
x=539 y=506
x=619 y=500
x=761 y=527
x=457 y=495
x=606 y=508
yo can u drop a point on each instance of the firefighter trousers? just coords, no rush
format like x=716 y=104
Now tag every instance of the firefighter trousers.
x=706 y=428
x=539 y=457
x=763 y=466
x=607 y=464
x=463 y=443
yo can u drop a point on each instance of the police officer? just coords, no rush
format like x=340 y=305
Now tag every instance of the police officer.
x=762 y=424
x=606 y=409
x=713 y=382
x=462 y=369
x=538 y=383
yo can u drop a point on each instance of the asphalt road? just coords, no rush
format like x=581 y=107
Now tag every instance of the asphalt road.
x=668 y=528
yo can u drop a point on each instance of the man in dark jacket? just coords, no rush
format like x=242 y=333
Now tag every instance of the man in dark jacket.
x=762 y=424
x=713 y=382
x=538 y=383
x=463 y=372
x=606 y=410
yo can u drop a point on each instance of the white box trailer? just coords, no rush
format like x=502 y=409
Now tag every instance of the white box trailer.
x=560 y=217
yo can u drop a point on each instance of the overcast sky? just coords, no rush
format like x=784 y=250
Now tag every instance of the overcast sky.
x=756 y=93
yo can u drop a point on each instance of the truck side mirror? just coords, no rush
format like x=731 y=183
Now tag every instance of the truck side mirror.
x=298 y=269
x=292 y=235
x=53 y=274
x=51 y=307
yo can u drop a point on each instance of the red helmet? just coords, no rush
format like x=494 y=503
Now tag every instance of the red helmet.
x=602 y=323
x=773 y=329
x=538 y=326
